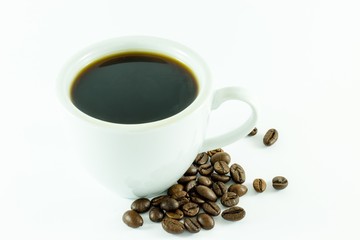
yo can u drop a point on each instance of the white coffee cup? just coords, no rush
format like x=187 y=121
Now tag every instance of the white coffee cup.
x=139 y=160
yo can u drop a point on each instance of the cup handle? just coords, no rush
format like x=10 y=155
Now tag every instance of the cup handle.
x=220 y=96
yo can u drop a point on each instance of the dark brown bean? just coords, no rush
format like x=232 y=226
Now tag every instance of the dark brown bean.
x=190 y=209
x=229 y=199
x=212 y=152
x=157 y=200
x=220 y=178
x=233 y=214
x=211 y=208
x=253 y=132
x=201 y=158
x=186 y=179
x=169 y=204
x=141 y=205
x=221 y=167
x=237 y=173
x=190 y=186
x=175 y=188
x=239 y=189
x=206 y=221
x=206 y=193
x=132 y=219
x=206 y=169
x=177 y=214
x=271 y=137
x=172 y=225
x=179 y=195
x=192 y=225
x=202 y=180
x=259 y=185
x=219 y=188
x=192 y=170
x=156 y=214
x=221 y=156
x=197 y=199
x=279 y=182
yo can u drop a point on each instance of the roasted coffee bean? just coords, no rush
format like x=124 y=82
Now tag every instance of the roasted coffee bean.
x=156 y=214
x=237 y=173
x=192 y=170
x=212 y=152
x=132 y=219
x=141 y=205
x=175 y=188
x=169 y=204
x=192 y=225
x=177 y=214
x=186 y=179
x=259 y=185
x=183 y=201
x=180 y=195
x=206 y=193
x=197 y=199
x=202 y=180
x=172 y=225
x=233 y=214
x=239 y=189
x=279 y=182
x=220 y=156
x=190 y=209
x=206 y=169
x=157 y=200
x=201 y=158
x=221 y=167
x=211 y=208
x=220 y=178
x=190 y=186
x=253 y=132
x=229 y=199
x=206 y=221
x=219 y=188
x=270 y=137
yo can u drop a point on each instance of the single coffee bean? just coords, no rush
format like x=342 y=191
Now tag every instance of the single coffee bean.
x=190 y=185
x=212 y=152
x=233 y=214
x=192 y=170
x=270 y=137
x=175 y=188
x=157 y=200
x=172 y=225
x=279 y=182
x=192 y=225
x=186 y=179
x=206 y=193
x=211 y=208
x=132 y=219
x=239 y=189
x=183 y=201
x=177 y=214
x=237 y=173
x=197 y=199
x=221 y=167
x=169 y=204
x=156 y=214
x=259 y=185
x=220 y=178
x=219 y=188
x=190 y=209
x=141 y=205
x=201 y=158
x=206 y=221
x=253 y=132
x=202 y=180
x=180 y=195
x=229 y=199
x=206 y=169
x=220 y=156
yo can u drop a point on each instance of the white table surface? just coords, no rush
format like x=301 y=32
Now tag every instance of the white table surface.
x=300 y=59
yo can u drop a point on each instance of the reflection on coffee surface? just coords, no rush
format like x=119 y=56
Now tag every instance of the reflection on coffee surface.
x=134 y=87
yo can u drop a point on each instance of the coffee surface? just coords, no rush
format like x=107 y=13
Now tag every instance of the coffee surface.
x=133 y=88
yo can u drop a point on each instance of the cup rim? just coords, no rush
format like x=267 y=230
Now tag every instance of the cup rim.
x=126 y=44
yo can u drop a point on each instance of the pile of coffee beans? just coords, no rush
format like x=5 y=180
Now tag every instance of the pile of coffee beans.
x=195 y=200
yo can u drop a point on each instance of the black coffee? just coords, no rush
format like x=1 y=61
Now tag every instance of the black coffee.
x=134 y=87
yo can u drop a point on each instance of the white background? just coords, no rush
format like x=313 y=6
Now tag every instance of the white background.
x=300 y=59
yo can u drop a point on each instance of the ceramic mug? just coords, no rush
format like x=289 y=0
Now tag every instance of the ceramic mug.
x=144 y=159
